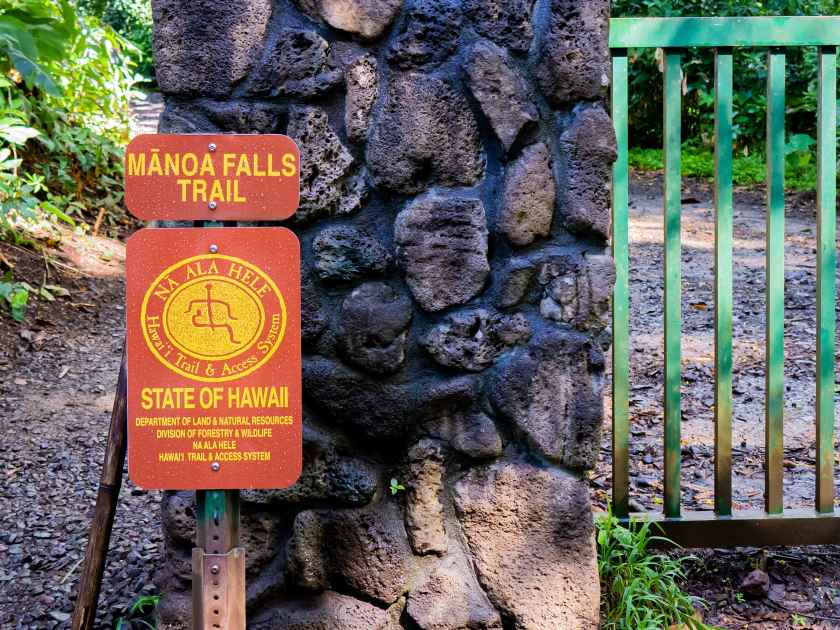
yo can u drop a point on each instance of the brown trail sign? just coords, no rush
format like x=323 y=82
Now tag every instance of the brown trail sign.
x=213 y=351
x=214 y=359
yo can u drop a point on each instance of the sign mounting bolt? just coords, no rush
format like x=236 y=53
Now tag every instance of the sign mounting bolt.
x=214 y=569
x=212 y=205
x=214 y=249
x=215 y=466
x=212 y=147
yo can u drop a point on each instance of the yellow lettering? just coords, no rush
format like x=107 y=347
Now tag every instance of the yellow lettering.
x=137 y=164
x=289 y=165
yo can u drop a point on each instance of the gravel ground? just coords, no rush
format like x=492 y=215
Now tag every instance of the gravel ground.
x=58 y=370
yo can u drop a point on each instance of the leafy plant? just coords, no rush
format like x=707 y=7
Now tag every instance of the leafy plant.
x=15 y=295
x=396 y=487
x=139 y=614
x=640 y=590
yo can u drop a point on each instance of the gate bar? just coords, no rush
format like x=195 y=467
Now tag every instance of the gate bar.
x=621 y=291
x=775 y=282
x=826 y=283
x=673 y=299
x=723 y=281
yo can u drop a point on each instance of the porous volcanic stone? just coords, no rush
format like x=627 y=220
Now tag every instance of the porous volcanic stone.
x=345 y=253
x=332 y=473
x=428 y=34
x=366 y=550
x=573 y=53
x=376 y=409
x=582 y=298
x=529 y=197
x=362 y=81
x=502 y=93
x=373 y=326
x=531 y=536
x=471 y=433
x=505 y=22
x=442 y=246
x=206 y=47
x=451 y=599
x=329 y=184
x=587 y=150
x=552 y=394
x=215 y=116
x=473 y=340
x=423 y=509
x=326 y=611
x=365 y=18
x=313 y=317
x=298 y=64
x=424 y=134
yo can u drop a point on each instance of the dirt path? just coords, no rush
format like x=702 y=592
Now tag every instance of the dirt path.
x=698 y=393
x=58 y=371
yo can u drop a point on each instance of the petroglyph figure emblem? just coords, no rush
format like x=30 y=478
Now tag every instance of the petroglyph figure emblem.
x=213 y=314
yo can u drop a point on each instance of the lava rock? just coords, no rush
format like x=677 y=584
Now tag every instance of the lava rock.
x=344 y=253
x=500 y=91
x=332 y=473
x=219 y=116
x=326 y=611
x=529 y=197
x=471 y=433
x=329 y=184
x=588 y=150
x=366 y=550
x=373 y=327
x=298 y=64
x=551 y=392
x=515 y=283
x=379 y=410
x=573 y=62
x=423 y=509
x=504 y=22
x=756 y=584
x=428 y=34
x=191 y=58
x=366 y=18
x=425 y=133
x=582 y=298
x=532 y=541
x=313 y=316
x=362 y=81
x=442 y=246
x=449 y=598
x=473 y=340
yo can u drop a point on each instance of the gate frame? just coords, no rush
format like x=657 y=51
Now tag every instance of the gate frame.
x=722 y=527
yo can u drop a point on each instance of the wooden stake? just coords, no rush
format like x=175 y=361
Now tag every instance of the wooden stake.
x=84 y=615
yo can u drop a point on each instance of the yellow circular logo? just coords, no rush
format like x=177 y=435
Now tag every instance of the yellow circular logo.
x=213 y=318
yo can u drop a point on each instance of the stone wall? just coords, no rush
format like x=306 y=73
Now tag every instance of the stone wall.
x=455 y=209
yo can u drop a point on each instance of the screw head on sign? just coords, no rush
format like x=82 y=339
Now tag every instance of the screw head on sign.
x=214 y=569
x=212 y=205
x=212 y=147
x=215 y=466
x=214 y=249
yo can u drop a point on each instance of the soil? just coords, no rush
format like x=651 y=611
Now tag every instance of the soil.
x=58 y=371
x=805 y=580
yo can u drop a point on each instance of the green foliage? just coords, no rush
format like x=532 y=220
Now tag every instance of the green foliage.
x=140 y=614
x=396 y=487
x=640 y=590
x=132 y=19
x=65 y=84
x=747 y=170
x=15 y=295
x=698 y=81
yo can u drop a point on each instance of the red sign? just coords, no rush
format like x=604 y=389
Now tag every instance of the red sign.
x=214 y=358
x=212 y=177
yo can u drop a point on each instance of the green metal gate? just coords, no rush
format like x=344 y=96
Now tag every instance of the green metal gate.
x=723 y=527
